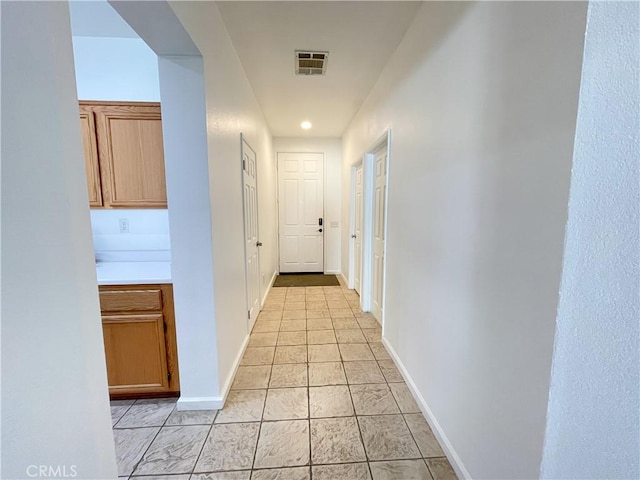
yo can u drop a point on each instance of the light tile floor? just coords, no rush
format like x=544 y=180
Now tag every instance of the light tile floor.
x=316 y=396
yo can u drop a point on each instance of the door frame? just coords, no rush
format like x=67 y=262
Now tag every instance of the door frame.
x=324 y=196
x=243 y=142
x=366 y=277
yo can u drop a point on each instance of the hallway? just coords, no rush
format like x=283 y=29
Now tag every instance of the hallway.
x=315 y=387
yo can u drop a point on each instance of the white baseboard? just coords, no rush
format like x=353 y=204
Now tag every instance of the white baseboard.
x=199 y=403
x=332 y=272
x=452 y=456
x=214 y=403
x=344 y=279
x=232 y=375
x=266 y=292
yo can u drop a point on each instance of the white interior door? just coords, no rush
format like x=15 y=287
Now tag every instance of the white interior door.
x=378 y=214
x=249 y=180
x=300 y=212
x=357 y=250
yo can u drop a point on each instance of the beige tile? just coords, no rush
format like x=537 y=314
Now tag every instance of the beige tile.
x=315 y=305
x=174 y=450
x=386 y=437
x=367 y=321
x=373 y=399
x=400 y=470
x=283 y=444
x=336 y=440
x=147 y=413
x=319 y=324
x=289 y=375
x=340 y=310
x=251 y=377
x=229 y=447
x=290 y=473
x=330 y=401
x=258 y=356
x=191 y=417
x=292 y=338
x=326 y=374
x=441 y=469
x=315 y=297
x=242 y=406
x=131 y=443
x=237 y=475
x=263 y=326
x=350 y=336
x=294 y=305
x=373 y=335
x=270 y=315
x=317 y=337
x=347 y=471
x=317 y=290
x=363 y=372
x=297 y=314
x=379 y=351
x=291 y=354
x=355 y=351
x=267 y=339
x=422 y=434
x=390 y=371
x=293 y=325
x=345 y=324
x=286 y=404
x=318 y=313
x=324 y=353
x=403 y=396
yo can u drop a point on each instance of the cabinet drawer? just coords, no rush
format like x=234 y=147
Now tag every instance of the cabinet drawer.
x=131 y=300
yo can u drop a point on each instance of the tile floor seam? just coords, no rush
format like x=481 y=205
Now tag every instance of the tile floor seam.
x=213 y=422
x=150 y=443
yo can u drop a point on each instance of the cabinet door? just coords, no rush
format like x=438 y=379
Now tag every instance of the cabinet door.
x=90 y=145
x=136 y=353
x=131 y=155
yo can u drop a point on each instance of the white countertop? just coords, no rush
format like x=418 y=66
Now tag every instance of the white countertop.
x=126 y=273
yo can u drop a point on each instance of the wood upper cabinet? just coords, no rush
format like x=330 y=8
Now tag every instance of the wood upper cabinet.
x=139 y=340
x=130 y=153
x=90 y=146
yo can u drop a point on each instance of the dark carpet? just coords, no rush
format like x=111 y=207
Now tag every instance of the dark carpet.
x=306 y=280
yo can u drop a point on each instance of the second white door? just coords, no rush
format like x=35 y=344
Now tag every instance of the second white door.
x=379 y=221
x=252 y=257
x=359 y=206
x=300 y=212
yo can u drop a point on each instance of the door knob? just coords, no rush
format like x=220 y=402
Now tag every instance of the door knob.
x=258 y=244
x=353 y=236
x=320 y=230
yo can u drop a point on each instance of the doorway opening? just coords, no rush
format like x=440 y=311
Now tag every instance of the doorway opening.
x=367 y=245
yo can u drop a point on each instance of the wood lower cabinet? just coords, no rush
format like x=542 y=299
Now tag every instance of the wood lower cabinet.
x=139 y=339
x=124 y=154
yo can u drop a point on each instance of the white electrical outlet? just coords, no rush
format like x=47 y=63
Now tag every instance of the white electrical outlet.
x=124 y=225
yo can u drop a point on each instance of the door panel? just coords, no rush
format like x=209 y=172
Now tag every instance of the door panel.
x=249 y=178
x=300 y=206
x=358 y=229
x=379 y=196
x=90 y=146
x=136 y=353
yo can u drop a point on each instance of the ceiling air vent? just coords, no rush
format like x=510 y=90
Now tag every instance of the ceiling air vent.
x=311 y=63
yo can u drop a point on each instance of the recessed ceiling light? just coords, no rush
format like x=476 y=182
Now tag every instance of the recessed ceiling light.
x=306 y=125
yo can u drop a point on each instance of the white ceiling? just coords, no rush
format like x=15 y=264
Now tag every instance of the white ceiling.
x=360 y=37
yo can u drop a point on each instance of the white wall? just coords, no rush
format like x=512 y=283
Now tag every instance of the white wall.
x=332 y=149
x=118 y=69
x=481 y=101
x=231 y=110
x=592 y=427
x=55 y=408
